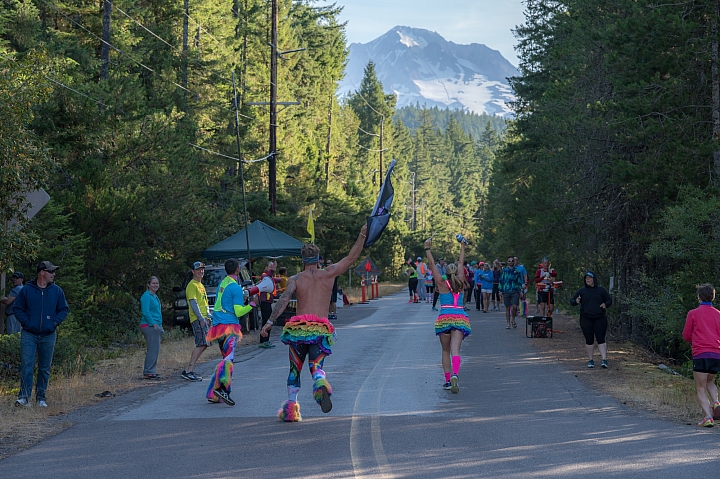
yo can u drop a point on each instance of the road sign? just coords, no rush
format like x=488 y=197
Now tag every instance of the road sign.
x=36 y=199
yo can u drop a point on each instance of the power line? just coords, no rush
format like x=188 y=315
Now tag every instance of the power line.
x=69 y=88
x=230 y=157
x=168 y=44
x=118 y=50
x=357 y=92
x=203 y=29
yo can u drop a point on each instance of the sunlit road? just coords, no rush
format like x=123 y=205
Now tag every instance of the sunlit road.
x=517 y=415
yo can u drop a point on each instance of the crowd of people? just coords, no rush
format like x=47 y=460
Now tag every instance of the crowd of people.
x=39 y=307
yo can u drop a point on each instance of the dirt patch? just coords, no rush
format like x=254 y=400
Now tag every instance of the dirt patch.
x=634 y=376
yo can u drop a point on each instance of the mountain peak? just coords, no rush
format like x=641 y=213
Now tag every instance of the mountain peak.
x=420 y=66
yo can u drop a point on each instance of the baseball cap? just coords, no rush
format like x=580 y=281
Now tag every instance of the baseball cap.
x=46 y=266
x=198 y=265
x=18 y=274
x=419 y=258
x=473 y=262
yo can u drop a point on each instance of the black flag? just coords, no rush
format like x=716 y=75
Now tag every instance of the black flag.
x=380 y=216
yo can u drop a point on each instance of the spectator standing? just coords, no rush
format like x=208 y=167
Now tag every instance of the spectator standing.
x=151 y=326
x=422 y=270
x=543 y=282
x=12 y=325
x=199 y=318
x=702 y=330
x=511 y=286
x=412 y=274
x=497 y=272
x=485 y=287
x=40 y=307
x=429 y=284
x=593 y=301
x=469 y=283
x=266 y=302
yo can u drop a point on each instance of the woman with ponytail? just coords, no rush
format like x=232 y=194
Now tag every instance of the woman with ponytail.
x=452 y=324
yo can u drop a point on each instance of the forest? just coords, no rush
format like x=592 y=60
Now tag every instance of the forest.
x=612 y=161
x=124 y=112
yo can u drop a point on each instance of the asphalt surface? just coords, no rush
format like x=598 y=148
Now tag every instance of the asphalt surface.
x=518 y=414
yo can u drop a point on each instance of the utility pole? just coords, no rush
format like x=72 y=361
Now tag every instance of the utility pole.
x=327 y=146
x=272 y=170
x=241 y=168
x=105 y=47
x=382 y=121
x=412 y=223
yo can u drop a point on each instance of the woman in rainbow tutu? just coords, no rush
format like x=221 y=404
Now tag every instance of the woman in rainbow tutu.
x=452 y=324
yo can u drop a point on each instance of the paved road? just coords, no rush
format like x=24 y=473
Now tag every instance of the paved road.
x=518 y=415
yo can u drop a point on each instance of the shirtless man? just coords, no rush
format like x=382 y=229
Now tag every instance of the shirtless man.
x=309 y=333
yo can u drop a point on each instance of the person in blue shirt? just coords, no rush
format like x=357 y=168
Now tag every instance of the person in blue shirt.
x=228 y=309
x=485 y=286
x=151 y=326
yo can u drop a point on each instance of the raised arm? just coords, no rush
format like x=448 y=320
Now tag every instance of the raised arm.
x=341 y=266
x=279 y=306
x=461 y=264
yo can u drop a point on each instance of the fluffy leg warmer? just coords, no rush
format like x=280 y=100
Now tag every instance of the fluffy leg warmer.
x=290 y=412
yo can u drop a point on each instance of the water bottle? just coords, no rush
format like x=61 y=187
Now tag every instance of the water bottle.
x=461 y=238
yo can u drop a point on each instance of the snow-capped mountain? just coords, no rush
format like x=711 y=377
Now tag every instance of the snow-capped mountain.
x=420 y=66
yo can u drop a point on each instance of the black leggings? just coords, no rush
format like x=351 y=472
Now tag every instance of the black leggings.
x=429 y=289
x=593 y=329
x=412 y=286
x=495 y=293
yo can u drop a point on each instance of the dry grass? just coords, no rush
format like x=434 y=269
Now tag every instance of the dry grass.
x=354 y=295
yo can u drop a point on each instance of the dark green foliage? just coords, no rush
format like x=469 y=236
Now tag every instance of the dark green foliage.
x=472 y=123
x=614 y=121
x=132 y=198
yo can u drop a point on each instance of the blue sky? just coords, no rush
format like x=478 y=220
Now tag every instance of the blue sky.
x=461 y=21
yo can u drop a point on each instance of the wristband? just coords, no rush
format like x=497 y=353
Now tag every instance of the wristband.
x=270 y=323
x=427 y=249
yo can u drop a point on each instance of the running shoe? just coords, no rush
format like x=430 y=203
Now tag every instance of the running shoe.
x=325 y=402
x=707 y=422
x=604 y=364
x=41 y=403
x=434 y=309
x=266 y=345
x=591 y=364
x=447 y=386
x=22 y=402
x=410 y=301
x=454 y=385
x=224 y=396
x=190 y=376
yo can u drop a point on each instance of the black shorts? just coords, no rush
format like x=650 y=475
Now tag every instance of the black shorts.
x=543 y=296
x=706 y=365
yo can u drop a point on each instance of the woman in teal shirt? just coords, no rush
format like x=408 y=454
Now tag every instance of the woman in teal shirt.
x=151 y=326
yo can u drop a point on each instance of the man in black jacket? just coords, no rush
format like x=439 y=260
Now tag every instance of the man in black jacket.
x=593 y=301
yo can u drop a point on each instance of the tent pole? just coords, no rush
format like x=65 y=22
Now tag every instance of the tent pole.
x=241 y=168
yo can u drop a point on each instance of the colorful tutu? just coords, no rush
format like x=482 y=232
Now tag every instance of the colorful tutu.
x=447 y=322
x=309 y=329
x=222 y=330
